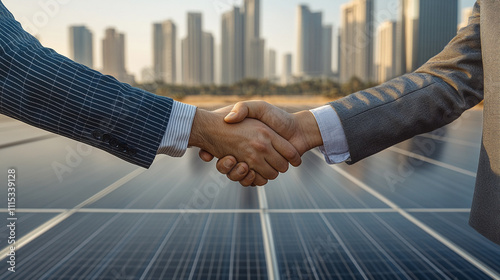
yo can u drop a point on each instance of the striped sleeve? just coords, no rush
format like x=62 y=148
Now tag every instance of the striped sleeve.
x=49 y=91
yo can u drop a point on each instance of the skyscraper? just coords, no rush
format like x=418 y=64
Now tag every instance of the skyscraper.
x=426 y=28
x=113 y=56
x=232 y=47
x=193 y=51
x=314 y=46
x=81 y=45
x=286 y=74
x=164 y=52
x=271 y=65
x=254 y=51
x=385 y=59
x=356 y=42
x=208 y=65
x=326 y=57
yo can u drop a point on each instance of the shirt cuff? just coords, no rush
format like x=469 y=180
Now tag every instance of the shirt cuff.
x=335 y=148
x=176 y=138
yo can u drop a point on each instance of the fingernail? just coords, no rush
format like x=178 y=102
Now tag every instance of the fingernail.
x=228 y=163
x=241 y=170
x=230 y=115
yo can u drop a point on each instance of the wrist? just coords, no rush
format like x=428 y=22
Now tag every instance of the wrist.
x=198 y=137
x=309 y=130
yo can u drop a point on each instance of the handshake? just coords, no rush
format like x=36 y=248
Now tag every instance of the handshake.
x=254 y=140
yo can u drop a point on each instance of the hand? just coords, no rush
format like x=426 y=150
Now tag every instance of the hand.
x=301 y=129
x=249 y=141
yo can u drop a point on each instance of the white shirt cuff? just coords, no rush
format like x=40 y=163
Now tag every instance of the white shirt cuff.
x=176 y=138
x=335 y=148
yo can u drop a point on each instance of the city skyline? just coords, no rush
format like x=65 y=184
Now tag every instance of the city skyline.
x=139 y=54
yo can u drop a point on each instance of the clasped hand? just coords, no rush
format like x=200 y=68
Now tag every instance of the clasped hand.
x=254 y=140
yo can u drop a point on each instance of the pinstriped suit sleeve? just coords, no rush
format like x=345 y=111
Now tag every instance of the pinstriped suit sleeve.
x=49 y=91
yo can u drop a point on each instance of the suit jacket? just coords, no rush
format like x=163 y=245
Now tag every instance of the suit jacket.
x=47 y=90
x=458 y=78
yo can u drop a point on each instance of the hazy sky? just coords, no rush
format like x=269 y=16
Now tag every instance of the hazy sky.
x=50 y=20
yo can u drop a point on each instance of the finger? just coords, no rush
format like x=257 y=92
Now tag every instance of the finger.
x=248 y=180
x=239 y=172
x=226 y=164
x=276 y=161
x=246 y=109
x=259 y=180
x=205 y=156
x=286 y=150
x=266 y=170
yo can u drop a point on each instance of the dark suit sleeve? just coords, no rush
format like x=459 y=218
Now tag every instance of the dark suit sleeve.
x=49 y=91
x=435 y=95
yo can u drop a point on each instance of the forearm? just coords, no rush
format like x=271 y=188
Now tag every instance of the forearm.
x=42 y=88
x=435 y=95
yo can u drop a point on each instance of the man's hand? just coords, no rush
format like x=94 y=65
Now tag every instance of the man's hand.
x=249 y=141
x=301 y=129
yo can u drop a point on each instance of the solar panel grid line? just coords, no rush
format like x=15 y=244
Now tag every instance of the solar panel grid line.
x=116 y=249
x=63 y=216
x=433 y=161
x=87 y=263
x=200 y=247
x=378 y=246
x=233 y=248
x=47 y=245
x=411 y=247
x=474 y=261
x=203 y=238
x=267 y=235
x=160 y=248
x=335 y=233
x=79 y=247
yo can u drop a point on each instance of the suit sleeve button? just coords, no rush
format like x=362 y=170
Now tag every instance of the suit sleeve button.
x=113 y=142
x=106 y=137
x=132 y=152
x=123 y=147
x=97 y=134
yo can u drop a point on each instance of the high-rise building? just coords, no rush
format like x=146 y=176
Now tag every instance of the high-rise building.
x=81 y=45
x=254 y=51
x=164 y=52
x=193 y=48
x=326 y=57
x=385 y=59
x=426 y=27
x=286 y=73
x=271 y=65
x=232 y=47
x=113 y=56
x=466 y=14
x=208 y=65
x=356 y=42
x=314 y=46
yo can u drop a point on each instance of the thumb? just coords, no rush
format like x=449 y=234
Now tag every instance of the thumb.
x=238 y=113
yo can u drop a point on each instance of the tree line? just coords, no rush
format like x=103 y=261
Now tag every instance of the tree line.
x=254 y=87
